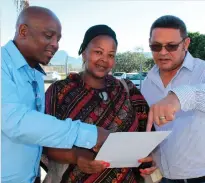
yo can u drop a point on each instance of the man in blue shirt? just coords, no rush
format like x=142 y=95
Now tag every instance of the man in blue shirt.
x=25 y=127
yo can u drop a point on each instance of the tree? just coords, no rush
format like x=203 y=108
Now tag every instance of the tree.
x=148 y=64
x=129 y=61
x=197 y=45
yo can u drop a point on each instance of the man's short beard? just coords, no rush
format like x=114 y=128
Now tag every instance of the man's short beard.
x=174 y=67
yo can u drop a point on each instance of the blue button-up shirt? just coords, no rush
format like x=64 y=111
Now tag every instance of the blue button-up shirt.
x=24 y=130
x=182 y=154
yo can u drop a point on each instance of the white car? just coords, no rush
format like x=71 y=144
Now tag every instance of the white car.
x=135 y=78
x=120 y=75
x=73 y=72
x=52 y=76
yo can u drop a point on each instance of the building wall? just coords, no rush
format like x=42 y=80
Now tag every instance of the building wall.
x=57 y=68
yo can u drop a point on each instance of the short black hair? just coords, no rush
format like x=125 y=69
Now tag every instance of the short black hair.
x=170 y=21
x=95 y=31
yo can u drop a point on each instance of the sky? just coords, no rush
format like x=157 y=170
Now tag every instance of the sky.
x=131 y=20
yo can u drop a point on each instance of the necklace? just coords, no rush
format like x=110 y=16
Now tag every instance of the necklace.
x=102 y=94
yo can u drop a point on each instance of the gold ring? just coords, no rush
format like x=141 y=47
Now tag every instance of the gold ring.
x=162 y=117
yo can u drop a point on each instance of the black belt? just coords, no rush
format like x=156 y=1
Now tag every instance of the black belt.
x=193 y=180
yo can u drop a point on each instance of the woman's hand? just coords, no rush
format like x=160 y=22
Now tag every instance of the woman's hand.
x=147 y=171
x=90 y=166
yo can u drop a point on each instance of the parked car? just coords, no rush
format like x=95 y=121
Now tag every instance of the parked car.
x=144 y=74
x=73 y=72
x=135 y=78
x=52 y=76
x=120 y=75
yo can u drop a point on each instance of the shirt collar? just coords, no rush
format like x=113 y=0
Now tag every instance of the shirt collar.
x=188 y=62
x=18 y=58
x=40 y=69
x=15 y=55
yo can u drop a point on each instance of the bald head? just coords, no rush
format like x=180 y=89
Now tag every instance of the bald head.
x=38 y=31
x=33 y=14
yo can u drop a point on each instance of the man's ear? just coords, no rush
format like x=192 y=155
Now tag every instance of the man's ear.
x=23 y=31
x=187 y=43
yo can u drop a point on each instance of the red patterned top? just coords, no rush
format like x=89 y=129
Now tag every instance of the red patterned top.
x=116 y=111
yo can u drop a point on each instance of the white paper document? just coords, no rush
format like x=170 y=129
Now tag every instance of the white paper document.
x=124 y=149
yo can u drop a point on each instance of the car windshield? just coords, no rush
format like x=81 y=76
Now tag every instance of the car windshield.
x=118 y=74
x=144 y=74
x=134 y=76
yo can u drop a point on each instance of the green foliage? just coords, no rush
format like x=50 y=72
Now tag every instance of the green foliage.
x=197 y=45
x=130 y=62
x=148 y=64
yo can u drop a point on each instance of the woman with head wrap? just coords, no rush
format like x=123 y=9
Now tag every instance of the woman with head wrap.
x=95 y=97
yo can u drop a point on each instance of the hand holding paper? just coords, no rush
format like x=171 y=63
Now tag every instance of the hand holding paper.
x=147 y=171
x=124 y=149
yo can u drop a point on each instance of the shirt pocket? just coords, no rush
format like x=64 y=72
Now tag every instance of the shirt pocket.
x=24 y=90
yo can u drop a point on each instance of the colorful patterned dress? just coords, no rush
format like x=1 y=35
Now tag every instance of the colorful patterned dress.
x=118 y=111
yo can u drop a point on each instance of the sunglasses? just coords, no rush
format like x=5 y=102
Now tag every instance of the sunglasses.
x=38 y=101
x=169 y=47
